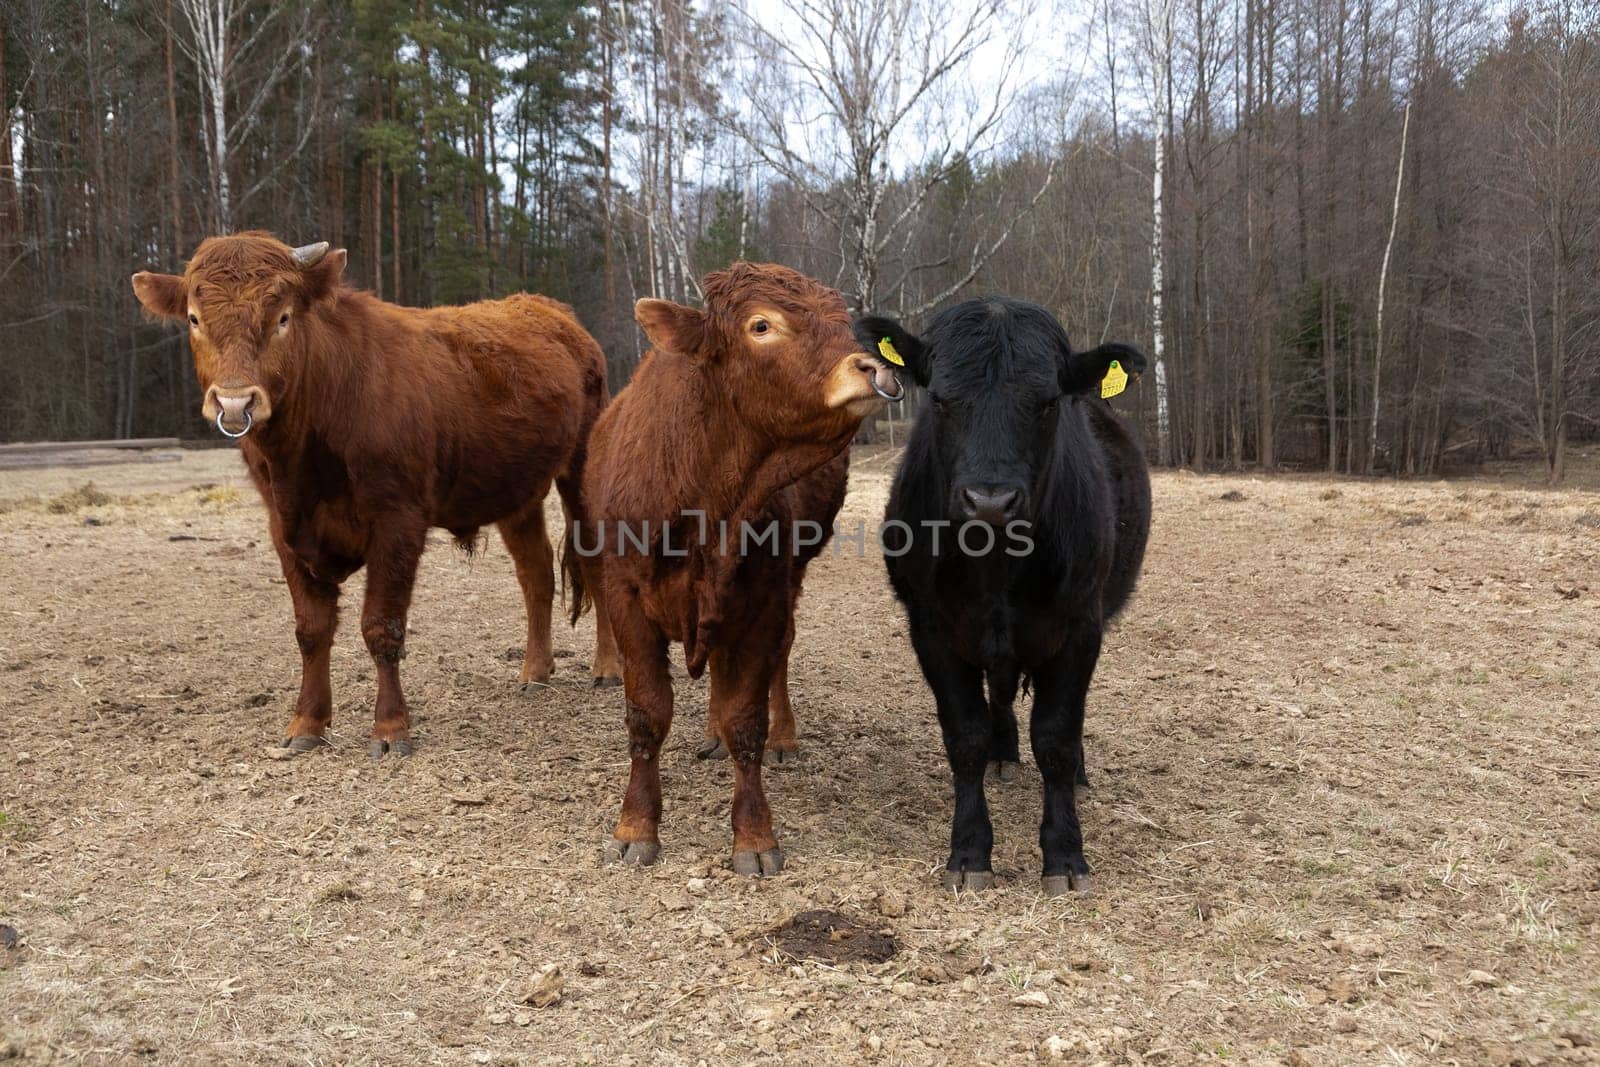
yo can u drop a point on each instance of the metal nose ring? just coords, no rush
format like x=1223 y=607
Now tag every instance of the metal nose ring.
x=876 y=388
x=249 y=421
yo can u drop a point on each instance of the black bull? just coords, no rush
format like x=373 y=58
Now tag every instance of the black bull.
x=1014 y=435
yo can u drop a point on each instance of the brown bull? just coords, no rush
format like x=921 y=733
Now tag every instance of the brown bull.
x=693 y=462
x=363 y=424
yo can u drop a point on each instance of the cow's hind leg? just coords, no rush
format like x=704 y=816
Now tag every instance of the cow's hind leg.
x=391 y=574
x=711 y=746
x=647 y=689
x=607 y=667
x=316 y=616
x=782 y=746
x=1005 y=761
x=1061 y=689
x=583 y=570
x=964 y=720
x=529 y=544
x=741 y=676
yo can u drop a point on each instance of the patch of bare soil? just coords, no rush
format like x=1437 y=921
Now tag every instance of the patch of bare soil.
x=822 y=935
x=1345 y=807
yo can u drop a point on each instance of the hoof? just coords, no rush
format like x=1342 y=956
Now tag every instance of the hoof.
x=969 y=881
x=377 y=749
x=1004 y=771
x=607 y=681
x=1059 y=885
x=773 y=756
x=711 y=748
x=303 y=743
x=630 y=853
x=758 y=864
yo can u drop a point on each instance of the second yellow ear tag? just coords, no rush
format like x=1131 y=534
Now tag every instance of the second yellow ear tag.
x=1115 y=381
x=886 y=350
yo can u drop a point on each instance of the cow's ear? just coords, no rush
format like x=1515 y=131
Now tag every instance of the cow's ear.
x=885 y=339
x=161 y=295
x=320 y=281
x=671 y=327
x=1082 y=372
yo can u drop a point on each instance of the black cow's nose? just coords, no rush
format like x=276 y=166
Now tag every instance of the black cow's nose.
x=989 y=504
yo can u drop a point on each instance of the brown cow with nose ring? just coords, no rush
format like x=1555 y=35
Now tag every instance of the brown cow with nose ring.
x=689 y=502
x=363 y=424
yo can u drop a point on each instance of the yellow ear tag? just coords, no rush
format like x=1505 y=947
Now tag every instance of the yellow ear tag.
x=1115 y=381
x=886 y=350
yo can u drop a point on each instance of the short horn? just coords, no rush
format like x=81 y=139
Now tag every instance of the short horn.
x=309 y=255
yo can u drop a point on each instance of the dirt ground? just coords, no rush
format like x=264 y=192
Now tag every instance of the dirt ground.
x=1346 y=808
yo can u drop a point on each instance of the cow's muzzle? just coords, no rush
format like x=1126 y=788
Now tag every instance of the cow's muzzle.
x=993 y=504
x=236 y=410
x=859 y=384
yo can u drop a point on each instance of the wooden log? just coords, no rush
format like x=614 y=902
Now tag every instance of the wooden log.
x=136 y=443
x=22 y=461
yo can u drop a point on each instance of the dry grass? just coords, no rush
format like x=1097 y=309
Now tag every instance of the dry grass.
x=1346 y=808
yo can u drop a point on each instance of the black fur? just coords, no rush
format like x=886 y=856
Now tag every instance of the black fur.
x=1013 y=410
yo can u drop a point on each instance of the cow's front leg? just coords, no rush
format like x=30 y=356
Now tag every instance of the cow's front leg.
x=964 y=720
x=391 y=573
x=741 y=678
x=647 y=692
x=316 y=616
x=1060 y=691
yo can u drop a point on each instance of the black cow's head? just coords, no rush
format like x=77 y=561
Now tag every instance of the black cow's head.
x=998 y=373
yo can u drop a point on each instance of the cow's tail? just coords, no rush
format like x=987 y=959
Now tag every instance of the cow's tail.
x=574 y=589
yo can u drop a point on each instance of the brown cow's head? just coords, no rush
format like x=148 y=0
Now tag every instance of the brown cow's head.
x=781 y=348
x=241 y=296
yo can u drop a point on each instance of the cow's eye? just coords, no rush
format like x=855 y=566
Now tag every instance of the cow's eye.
x=940 y=406
x=194 y=320
x=1049 y=409
x=283 y=320
x=760 y=326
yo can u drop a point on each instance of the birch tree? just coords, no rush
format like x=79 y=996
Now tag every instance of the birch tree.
x=224 y=37
x=865 y=107
x=1157 y=33
x=1383 y=283
x=668 y=99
